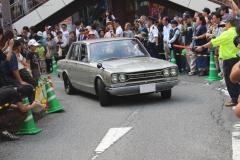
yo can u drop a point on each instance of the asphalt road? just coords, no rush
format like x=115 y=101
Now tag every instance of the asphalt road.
x=193 y=125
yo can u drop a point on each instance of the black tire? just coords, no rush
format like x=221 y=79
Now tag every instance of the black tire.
x=103 y=95
x=166 y=94
x=68 y=86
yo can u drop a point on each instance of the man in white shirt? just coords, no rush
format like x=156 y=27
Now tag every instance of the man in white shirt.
x=166 y=32
x=65 y=32
x=152 y=38
x=62 y=44
x=119 y=30
x=78 y=29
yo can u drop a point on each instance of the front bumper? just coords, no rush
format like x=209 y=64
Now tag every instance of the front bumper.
x=134 y=89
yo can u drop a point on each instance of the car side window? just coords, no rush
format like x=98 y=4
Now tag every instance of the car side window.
x=70 y=56
x=84 y=53
x=75 y=52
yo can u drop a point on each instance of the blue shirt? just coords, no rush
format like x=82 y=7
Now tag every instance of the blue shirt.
x=7 y=68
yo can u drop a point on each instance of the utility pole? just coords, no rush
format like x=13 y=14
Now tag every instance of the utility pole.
x=6 y=14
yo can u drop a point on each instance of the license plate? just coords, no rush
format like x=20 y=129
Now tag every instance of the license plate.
x=148 y=88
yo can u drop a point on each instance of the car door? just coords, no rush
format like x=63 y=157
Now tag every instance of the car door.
x=73 y=62
x=85 y=72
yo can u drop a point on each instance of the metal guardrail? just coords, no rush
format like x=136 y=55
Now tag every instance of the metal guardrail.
x=21 y=8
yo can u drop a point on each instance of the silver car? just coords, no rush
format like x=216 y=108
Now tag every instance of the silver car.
x=115 y=67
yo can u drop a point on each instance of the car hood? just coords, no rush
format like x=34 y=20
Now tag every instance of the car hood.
x=136 y=64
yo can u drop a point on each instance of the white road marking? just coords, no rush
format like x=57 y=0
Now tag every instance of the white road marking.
x=236 y=142
x=112 y=136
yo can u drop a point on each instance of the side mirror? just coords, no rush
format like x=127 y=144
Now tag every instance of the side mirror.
x=99 y=65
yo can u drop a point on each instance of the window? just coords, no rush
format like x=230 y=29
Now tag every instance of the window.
x=116 y=50
x=84 y=53
x=74 y=53
x=71 y=52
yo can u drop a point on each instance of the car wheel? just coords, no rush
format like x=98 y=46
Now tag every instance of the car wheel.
x=103 y=95
x=166 y=94
x=68 y=86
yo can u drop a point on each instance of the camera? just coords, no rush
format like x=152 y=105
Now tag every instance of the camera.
x=59 y=42
x=221 y=25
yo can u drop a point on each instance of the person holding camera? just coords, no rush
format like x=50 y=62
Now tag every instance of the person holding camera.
x=109 y=31
x=62 y=45
x=227 y=53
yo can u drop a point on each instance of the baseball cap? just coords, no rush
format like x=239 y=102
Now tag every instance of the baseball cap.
x=229 y=19
x=33 y=42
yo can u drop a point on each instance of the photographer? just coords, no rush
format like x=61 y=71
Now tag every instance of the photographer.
x=12 y=111
x=62 y=45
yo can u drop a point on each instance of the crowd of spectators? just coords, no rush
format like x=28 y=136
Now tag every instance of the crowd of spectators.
x=27 y=54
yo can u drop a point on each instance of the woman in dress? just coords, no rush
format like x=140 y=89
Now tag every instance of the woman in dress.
x=200 y=39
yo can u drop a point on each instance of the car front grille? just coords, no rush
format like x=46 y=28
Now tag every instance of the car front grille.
x=139 y=76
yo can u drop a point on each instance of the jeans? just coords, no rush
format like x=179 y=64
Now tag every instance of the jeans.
x=49 y=65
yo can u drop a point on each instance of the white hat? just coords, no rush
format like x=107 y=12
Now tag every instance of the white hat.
x=39 y=33
x=89 y=28
x=33 y=42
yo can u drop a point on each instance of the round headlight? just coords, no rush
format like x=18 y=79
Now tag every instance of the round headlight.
x=122 y=78
x=173 y=72
x=114 y=78
x=166 y=73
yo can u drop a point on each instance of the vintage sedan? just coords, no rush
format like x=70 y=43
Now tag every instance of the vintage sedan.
x=115 y=67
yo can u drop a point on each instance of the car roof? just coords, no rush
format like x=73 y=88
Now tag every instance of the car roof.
x=102 y=40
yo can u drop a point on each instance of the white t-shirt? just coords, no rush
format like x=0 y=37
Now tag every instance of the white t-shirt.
x=66 y=35
x=77 y=33
x=166 y=32
x=20 y=59
x=119 y=31
x=153 y=33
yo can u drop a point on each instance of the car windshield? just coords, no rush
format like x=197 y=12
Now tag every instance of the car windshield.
x=104 y=51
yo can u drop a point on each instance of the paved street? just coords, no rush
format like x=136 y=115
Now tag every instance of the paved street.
x=193 y=125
